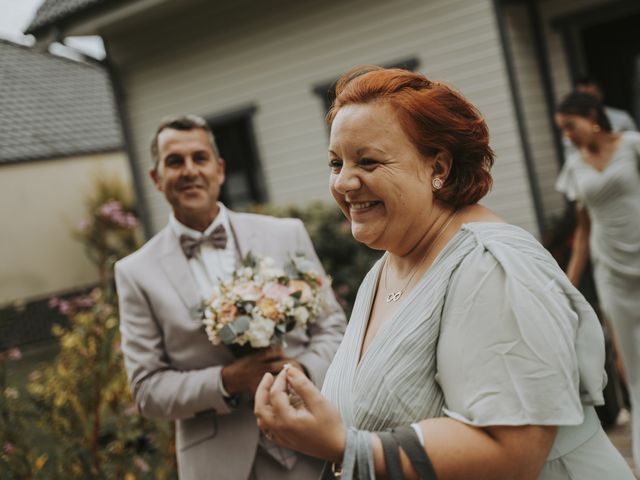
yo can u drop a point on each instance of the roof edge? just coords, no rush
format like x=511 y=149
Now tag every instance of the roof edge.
x=62 y=156
x=85 y=11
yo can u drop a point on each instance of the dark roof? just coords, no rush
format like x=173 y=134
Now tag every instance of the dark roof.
x=53 y=11
x=53 y=107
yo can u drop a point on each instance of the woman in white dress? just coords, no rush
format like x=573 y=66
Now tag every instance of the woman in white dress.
x=469 y=354
x=602 y=175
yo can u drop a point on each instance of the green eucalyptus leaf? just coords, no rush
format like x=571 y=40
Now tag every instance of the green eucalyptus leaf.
x=227 y=334
x=241 y=324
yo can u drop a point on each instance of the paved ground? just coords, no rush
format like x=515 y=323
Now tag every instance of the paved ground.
x=620 y=435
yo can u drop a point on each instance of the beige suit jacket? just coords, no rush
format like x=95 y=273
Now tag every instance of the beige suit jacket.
x=173 y=369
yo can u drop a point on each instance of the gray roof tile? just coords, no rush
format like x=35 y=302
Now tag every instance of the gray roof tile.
x=53 y=107
x=52 y=11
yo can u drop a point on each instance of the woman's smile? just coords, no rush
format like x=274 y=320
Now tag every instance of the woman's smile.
x=361 y=208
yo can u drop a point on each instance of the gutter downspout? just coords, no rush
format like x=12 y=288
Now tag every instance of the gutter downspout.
x=545 y=76
x=138 y=176
x=520 y=118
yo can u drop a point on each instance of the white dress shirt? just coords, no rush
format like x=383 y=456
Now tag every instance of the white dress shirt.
x=210 y=265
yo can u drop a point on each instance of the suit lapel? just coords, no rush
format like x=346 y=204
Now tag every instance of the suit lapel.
x=176 y=268
x=245 y=236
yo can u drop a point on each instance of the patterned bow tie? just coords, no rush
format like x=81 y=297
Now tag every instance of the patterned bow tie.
x=191 y=246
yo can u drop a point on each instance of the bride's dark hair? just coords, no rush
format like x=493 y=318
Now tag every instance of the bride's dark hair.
x=587 y=106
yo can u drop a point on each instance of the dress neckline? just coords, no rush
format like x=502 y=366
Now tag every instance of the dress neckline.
x=360 y=355
x=611 y=160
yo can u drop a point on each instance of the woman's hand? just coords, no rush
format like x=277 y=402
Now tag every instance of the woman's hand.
x=313 y=426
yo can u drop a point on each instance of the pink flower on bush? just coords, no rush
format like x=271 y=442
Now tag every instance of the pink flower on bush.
x=84 y=225
x=141 y=464
x=65 y=307
x=113 y=212
x=276 y=291
x=110 y=208
x=8 y=448
x=14 y=354
x=84 y=301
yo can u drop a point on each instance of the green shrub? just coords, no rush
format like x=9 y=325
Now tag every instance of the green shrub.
x=76 y=418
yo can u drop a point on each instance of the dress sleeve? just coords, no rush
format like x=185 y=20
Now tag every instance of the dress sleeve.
x=507 y=348
x=566 y=183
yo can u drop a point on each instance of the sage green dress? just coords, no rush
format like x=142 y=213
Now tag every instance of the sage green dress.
x=493 y=334
x=612 y=198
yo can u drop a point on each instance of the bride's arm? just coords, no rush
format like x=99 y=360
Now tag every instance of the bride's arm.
x=456 y=450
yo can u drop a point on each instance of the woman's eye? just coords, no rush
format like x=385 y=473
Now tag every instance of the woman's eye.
x=367 y=162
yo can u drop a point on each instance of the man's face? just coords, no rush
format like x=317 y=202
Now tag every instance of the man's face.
x=190 y=175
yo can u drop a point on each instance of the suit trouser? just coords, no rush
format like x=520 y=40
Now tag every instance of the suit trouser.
x=620 y=300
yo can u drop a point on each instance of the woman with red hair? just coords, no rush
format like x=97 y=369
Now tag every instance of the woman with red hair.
x=469 y=354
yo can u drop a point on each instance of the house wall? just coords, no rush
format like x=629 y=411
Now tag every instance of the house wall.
x=44 y=203
x=213 y=57
x=536 y=113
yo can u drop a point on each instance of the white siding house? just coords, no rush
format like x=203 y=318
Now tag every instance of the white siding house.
x=263 y=62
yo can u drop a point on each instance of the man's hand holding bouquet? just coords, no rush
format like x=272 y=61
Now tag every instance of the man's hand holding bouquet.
x=252 y=313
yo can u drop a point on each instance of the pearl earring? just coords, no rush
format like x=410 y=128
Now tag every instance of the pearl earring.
x=596 y=128
x=436 y=183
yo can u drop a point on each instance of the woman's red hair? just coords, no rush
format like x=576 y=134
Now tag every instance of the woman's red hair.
x=435 y=118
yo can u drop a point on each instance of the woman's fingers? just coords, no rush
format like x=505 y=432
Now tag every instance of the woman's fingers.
x=279 y=395
x=305 y=388
x=262 y=399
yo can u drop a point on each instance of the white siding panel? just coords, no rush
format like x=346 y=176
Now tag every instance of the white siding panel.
x=273 y=53
x=536 y=115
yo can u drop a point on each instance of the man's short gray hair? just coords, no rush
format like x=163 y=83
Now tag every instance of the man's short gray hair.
x=183 y=123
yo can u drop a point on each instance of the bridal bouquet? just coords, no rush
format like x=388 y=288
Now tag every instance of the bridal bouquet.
x=262 y=302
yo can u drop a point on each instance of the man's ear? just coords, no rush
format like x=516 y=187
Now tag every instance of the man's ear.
x=442 y=164
x=155 y=177
x=222 y=165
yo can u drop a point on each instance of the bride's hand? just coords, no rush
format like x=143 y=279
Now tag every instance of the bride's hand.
x=313 y=427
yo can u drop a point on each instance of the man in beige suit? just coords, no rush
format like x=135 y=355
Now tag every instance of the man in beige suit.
x=174 y=372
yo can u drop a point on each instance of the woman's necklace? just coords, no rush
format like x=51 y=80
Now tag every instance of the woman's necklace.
x=394 y=296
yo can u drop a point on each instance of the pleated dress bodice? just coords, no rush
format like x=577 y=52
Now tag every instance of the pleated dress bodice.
x=394 y=382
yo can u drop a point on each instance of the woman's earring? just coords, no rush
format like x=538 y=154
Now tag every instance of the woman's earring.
x=596 y=128
x=436 y=183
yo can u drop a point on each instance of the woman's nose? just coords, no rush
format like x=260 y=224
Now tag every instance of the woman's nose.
x=346 y=181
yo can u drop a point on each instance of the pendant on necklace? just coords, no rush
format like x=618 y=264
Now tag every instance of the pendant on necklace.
x=394 y=296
